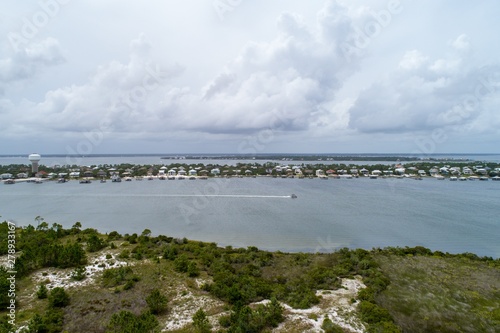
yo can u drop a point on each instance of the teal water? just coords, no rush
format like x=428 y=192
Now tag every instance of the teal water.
x=366 y=213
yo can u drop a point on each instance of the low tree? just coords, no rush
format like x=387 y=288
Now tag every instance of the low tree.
x=58 y=298
x=157 y=302
x=42 y=292
x=200 y=322
x=127 y=322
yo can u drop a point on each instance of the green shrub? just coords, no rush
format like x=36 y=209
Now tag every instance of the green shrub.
x=58 y=298
x=157 y=302
x=42 y=292
x=127 y=322
x=330 y=327
x=200 y=322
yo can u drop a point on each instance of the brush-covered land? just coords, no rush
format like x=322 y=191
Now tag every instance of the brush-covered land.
x=80 y=280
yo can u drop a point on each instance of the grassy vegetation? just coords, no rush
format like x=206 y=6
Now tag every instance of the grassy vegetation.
x=429 y=293
x=148 y=282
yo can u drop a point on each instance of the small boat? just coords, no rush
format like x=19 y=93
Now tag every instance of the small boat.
x=473 y=178
x=9 y=181
x=293 y=196
x=373 y=176
x=418 y=178
x=128 y=179
x=38 y=181
x=453 y=179
x=484 y=178
x=115 y=179
x=462 y=179
x=496 y=178
x=61 y=180
x=439 y=177
x=85 y=181
x=103 y=180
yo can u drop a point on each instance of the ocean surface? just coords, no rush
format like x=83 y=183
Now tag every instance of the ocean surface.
x=448 y=216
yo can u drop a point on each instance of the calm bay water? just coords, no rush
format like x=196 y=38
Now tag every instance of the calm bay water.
x=442 y=215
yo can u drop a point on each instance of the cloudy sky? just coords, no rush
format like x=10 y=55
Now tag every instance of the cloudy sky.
x=241 y=76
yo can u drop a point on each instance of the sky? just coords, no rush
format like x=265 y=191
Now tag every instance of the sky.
x=249 y=77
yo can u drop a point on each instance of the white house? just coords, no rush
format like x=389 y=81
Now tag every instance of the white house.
x=320 y=173
x=193 y=172
x=364 y=172
x=400 y=171
x=215 y=171
x=376 y=172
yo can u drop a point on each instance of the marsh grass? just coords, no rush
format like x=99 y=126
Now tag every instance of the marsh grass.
x=439 y=294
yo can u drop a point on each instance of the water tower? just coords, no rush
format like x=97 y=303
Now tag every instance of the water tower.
x=34 y=158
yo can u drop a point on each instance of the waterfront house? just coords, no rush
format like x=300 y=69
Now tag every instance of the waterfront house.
x=354 y=171
x=444 y=170
x=215 y=171
x=172 y=172
x=320 y=173
x=400 y=171
x=6 y=175
x=74 y=174
x=376 y=172
x=482 y=171
x=422 y=173
x=22 y=175
x=364 y=172
x=192 y=172
x=467 y=171
x=433 y=171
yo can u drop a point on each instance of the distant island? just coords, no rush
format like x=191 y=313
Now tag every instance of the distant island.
x=79 y=280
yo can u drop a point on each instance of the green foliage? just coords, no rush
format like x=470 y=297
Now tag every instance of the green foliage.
x=244 y=319
x=192 y=269
x=50 y=322
x=119 y=276
x=125 y=254
x=94 y=243
x=372 y=313
x=127 y=322
x=42 y=292
x=4 y=288
x=330 y=327
x=78 y=274
x=201 y=323
x=5 y=326
x=40 y=248
x=58 y=298
x=170 y=252
x=181 y=263
x=157 y=302
x=114 y=235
